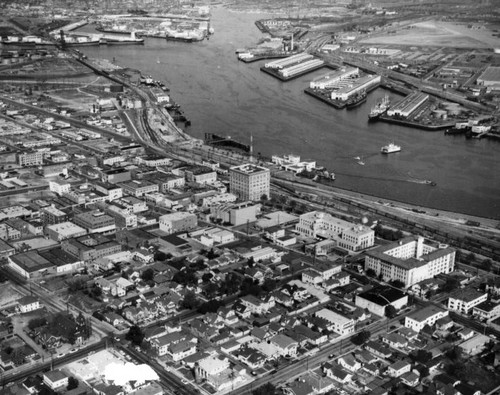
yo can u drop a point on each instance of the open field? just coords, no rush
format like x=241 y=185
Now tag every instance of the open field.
x=437 y=33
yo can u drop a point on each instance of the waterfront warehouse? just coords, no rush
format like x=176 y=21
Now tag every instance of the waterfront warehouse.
x=356 y=86
x=291 y=60
x=329 y=80
x=408 y=105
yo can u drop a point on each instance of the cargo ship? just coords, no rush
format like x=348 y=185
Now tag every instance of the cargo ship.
x=390 y=148
x=356 y=99
x=380 y=108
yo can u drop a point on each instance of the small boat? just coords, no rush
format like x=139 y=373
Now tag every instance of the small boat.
x=357 y=158
x=360 y=162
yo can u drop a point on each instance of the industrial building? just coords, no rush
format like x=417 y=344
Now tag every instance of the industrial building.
x=282 y=63
x=490 y=78
x=410 y=260
x=329 y=80
x=355 y=86
x=339 y=324
x=378 y=299
x=30 y=264
x=249 y=182
x=408 y=105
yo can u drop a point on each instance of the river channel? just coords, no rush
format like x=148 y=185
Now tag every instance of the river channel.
x=222 y=95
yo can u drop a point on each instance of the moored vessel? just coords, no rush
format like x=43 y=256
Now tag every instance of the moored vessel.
x=380 y=108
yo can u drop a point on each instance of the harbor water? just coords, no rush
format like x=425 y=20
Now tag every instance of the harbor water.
x=222 y=95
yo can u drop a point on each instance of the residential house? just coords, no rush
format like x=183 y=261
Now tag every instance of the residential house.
x=55 y=379
x=348 y=362
x=335 y=371
x=398 y=368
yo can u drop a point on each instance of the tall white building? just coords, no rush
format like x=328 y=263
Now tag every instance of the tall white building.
x=249 y=182
x=348 y=236
x=410 y=260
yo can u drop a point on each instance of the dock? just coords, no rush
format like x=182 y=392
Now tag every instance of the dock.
x=325 y=98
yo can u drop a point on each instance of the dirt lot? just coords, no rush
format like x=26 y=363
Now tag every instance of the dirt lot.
x=437 y=33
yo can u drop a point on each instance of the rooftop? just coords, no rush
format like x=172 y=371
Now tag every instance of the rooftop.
x=425 y=313
x=249 y=169
x=30 y=261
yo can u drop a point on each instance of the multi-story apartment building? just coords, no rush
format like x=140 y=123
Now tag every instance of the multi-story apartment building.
x=323 y=225
x=339 y=324
x=410 y=260
x=30 y=158
x=249 y=182
x=426 y=316
x=51 y=215
x=465 y=299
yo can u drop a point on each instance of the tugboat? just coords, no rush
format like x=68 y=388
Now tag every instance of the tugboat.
x=356 y=99
x=378 y=109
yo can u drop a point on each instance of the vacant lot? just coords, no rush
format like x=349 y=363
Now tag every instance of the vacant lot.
x=437 y=33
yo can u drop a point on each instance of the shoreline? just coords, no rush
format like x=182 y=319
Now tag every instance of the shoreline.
x=401 y=204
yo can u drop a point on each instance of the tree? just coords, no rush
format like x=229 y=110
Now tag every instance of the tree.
x=211 y=290
x=148 y=275
x=422 y=356
x=398 y=284
x=269 y=285
x=190 y=301
x=76 y=284
x=266 y=389
x=96 y=291
x=135 y=335
x=210 y=307
x=371 y=273
x=486 y=265
x=212 y=254
x=251 y=262
x=450 y=284
x=390 y=311
x=161 y=256
x=454 y=353
x=72 y=383
x=37 y=323
x=361 y=338
x=207 y=277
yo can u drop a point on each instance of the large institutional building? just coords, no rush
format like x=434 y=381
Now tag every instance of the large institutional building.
x=410 y=260
x=249 y=182
x=348 y=236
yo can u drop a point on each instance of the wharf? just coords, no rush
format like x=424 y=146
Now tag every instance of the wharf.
x=339 y=104
x=277 y=75
x=318 y=94
x=411 y=124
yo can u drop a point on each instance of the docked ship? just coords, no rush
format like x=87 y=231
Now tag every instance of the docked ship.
x=390 y=148
x=356 y=99
x=381 y=107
